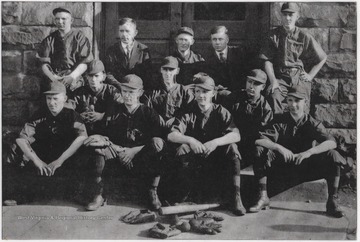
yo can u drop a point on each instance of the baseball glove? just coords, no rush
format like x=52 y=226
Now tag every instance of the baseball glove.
x=139 y=217
x=161 y=231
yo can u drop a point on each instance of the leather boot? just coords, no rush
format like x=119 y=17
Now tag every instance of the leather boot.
x=239 y=208
x=332 y=209
x=262 y=203
x=98 y=199
x=154 y=202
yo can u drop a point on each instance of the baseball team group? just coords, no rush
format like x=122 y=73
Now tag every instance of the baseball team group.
x=204 y=117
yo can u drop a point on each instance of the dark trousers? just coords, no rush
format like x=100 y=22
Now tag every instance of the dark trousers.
x=324 y=165
x=147 y=163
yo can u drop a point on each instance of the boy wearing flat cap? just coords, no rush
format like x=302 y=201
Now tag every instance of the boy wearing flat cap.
x=190 y=62
x=172 y=100
x=128 y=56
x=47 y=143
x=96 y=100
x=206 y=134
x=291 y=57
x=65 y=53
x=287 y=145
x=251 y=112
x=132 y=140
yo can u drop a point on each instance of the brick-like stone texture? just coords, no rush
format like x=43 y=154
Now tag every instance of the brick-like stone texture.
x=31 y=63
x=40 y=13
x=15 y=112
x=336 y=115
x=11 y=61
x=342 y=64
x=324 y=90
x=31 y=87
x=320 y=14
x=11 y=12
x=347 y=91
x=342 y=39
x=24 y=35
x=321 y=35
x=12 y=84
x=349 y=135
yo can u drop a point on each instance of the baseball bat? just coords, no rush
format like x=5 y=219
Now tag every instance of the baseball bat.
x=186 y=208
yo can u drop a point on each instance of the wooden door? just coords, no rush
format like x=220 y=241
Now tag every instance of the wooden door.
x=158 y=21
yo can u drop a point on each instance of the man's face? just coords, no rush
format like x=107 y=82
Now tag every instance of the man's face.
x=289 y=19
x=63 y=21
x=296 y=105
x=55 y=102
x=184 y=41
x=253 y=88
x=131 y=96
x=168 y=75
x=203 y=96
x=96 y=80
x=127 y=33
x=219 y=41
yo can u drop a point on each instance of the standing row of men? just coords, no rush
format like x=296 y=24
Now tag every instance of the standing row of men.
x=124 y=131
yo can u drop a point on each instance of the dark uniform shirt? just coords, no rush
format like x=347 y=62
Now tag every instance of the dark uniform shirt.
x=50 y=135
x=133 y=129
x=102 y=102
x=189 y=65
x=65 y=53
x=118 y=65
x=289 y=53
x=249 y=117
x=214 y=123
x=296 y=136
x=170 y=103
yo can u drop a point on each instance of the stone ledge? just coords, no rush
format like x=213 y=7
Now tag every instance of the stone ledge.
x=11 y=61
x=349 y=135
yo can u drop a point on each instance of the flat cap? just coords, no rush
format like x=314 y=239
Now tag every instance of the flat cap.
x=185 y=30
x=290 y=7
x=95 y=66
x=258 y=75
x=298 y=92
x=59 y=10
x=55 y=88
x=170 y=62
x=205 y=82
x=132 y=81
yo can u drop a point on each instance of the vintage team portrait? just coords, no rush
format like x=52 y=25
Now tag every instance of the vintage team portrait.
x=179 y=120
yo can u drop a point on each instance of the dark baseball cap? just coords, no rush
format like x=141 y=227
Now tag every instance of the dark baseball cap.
x=132 y=81
x=55 y=88
x=258 y=75
x=59 y=10
x=205 y=82
x=95 y=66
x=185 y=30
x=297 y=91
x=290 y=7
x=170 y=62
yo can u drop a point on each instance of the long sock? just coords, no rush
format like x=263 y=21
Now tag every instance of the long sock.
x=155 y=182
x=236 y=183
x=333 y=183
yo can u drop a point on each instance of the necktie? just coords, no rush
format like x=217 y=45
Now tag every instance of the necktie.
x=128 y=51
x=222 y=57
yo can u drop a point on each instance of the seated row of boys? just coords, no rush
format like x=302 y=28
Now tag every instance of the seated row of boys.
x=125 y=132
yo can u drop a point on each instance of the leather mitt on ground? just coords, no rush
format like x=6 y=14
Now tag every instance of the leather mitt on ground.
x=161 y=231
x=139 y=217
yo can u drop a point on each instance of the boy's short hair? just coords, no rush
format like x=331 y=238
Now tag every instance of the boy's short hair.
x=127 y=20
x=219 y=29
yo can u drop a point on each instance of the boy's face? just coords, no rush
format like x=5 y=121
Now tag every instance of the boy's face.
x=55 y=102
x=96 y=80
x=127 y=33
x=296 y=105
x=131 y=96
x=288 y=19
x=63 y=20
x=184 y=41
x=253 y=88
x=168 y=75
x=219 y=41
x=203 y=96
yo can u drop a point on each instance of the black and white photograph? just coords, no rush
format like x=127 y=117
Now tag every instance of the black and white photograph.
x=183 y=120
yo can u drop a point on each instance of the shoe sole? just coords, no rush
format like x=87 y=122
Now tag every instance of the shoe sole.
x=263 y=208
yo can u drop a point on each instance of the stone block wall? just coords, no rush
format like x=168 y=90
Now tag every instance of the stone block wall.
x=333 y=98
x=24 y=26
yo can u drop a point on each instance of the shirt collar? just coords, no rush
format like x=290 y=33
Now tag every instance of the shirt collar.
x=207 y=113
x=124 y=46
x=225 y=51
x=186 y=54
